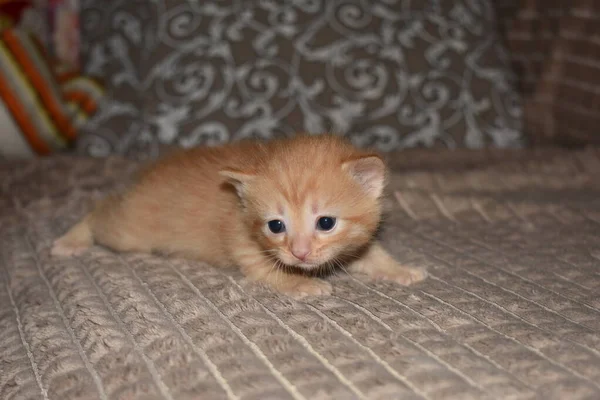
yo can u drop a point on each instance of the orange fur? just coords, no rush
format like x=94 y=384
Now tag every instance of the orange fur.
x=214 y=204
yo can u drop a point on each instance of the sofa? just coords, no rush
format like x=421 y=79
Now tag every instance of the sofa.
x=494 y=188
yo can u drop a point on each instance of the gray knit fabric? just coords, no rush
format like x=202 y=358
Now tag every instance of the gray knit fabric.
x=511 y=310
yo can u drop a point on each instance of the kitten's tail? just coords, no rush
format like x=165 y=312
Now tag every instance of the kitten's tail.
x=76 y=241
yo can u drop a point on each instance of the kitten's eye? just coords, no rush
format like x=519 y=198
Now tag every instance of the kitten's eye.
x=325 y=223
x=276 y=226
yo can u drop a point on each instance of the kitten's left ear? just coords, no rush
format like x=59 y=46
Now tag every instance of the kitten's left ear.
x=369 y=172
x=238 y=179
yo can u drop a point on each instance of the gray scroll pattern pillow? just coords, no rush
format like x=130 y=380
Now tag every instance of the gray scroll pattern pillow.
x=389 y=73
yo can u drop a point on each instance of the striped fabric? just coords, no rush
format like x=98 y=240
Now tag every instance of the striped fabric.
x=43 y=108
x=555 y=48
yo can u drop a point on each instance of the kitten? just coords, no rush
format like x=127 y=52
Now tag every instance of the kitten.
x=278 y=210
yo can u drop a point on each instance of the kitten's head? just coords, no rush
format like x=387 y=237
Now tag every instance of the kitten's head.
x=314 y=200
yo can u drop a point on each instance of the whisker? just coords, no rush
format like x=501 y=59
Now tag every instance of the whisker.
x=279 y=273
x=350 y=255
x=325 y=269
x=268 y=251
x=274 y=267
x=269 y=272
x=342 y=267
x=332 y=265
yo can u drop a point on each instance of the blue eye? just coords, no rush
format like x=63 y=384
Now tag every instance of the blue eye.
x=276 y=226
x=325 y=223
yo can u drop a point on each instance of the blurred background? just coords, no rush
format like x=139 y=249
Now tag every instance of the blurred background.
x=135 y=77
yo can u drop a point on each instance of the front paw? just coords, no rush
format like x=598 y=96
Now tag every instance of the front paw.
x=305 y=287
x=402 y=275
x=67 y=247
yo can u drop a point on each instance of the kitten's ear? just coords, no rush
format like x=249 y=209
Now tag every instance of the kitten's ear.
x=238 y=179
x=369 y=171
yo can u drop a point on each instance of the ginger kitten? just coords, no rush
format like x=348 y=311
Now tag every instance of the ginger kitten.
x=278 y=210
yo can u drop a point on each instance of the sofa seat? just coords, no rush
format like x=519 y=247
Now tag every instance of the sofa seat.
x=511 y=310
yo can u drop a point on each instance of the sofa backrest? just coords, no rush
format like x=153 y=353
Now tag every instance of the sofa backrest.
x=388 y=74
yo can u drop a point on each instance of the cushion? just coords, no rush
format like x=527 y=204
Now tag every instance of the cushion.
x=40 y=109
x=11 y=11
x=388 y=74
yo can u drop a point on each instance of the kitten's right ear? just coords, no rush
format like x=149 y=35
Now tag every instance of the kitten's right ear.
x=369 y=172
x=238 y=179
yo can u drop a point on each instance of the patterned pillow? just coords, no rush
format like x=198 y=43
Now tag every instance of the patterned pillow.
x=390 y=74
x=41 y=109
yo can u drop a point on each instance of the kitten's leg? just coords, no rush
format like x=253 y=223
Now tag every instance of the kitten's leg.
x=377 y=263
x=260 y=269
x=76 y=241
x=107 y=225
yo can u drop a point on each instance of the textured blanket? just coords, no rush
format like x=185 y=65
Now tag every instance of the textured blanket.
x=511 y=310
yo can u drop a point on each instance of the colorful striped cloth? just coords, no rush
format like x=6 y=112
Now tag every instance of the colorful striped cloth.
x=41 y=108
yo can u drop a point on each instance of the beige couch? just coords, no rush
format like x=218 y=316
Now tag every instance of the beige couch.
x=511 y=310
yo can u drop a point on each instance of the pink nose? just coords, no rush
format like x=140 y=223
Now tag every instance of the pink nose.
x=301 y=253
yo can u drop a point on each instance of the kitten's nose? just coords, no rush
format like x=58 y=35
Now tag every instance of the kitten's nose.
x=300 y=254
x=300 y=250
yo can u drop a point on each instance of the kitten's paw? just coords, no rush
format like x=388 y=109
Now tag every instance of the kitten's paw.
x=309 y=287
x=402 y=275
x=75 y=242
x=66 y=247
